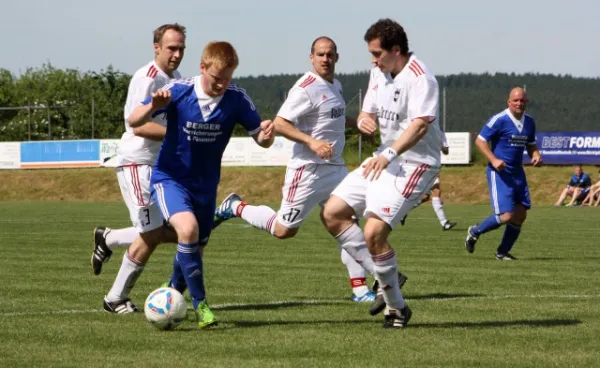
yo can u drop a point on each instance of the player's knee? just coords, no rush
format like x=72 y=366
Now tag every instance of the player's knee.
x=152 y=238
x=507 y=217
x=187 y=233
x=282 y=232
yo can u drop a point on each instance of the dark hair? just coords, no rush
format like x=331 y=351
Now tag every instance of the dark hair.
x=160 y=31
x=312 y=47
x=389 y=33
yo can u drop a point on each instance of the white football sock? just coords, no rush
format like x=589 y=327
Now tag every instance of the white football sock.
x=358 y=276
x=352 y=241
x=261 y=217
x=386 y=270
x=128 y=274
x=438 y=207
x=120 y=237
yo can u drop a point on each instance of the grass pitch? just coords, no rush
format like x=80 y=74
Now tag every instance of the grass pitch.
x=286 y=303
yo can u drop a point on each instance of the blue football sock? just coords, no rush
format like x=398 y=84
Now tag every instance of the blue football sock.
x=177 y=279
x=511 y=234
x=190 y=261
x=491 y=223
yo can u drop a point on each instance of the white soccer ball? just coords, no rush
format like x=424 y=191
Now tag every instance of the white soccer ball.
x=165 y=308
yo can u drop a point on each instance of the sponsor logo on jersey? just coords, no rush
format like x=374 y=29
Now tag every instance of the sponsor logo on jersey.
x=387 y=114
x=337 y=112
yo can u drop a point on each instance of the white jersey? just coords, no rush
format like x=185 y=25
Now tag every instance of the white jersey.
x=444 y=140
x=318 y=109
x=134 y=149
x=413 y=93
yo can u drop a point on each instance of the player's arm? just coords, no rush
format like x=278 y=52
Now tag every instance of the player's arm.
x=142 y=114
x=445 y=148
x=296 y=105
x=265 y=137
x=366 y=122
x=532 y=148
x=482 y=145
x=151 y=130
x=534 y=153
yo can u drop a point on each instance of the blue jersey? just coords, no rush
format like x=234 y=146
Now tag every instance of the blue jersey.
x=583 y=181
x=509 y=137
x=193 y=146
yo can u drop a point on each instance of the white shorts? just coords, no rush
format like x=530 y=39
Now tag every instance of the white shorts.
x=436 y=182
x=134 y=181
x=390 y=197
x=305 y=188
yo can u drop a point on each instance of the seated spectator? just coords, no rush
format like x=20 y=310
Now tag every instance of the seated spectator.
x=578 y=188
x=593 y=195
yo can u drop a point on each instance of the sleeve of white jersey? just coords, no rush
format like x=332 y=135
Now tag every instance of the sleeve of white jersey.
x=423 y=98
x=444 y=140
x=139 y=90
x=297 y=104
x=370 y=101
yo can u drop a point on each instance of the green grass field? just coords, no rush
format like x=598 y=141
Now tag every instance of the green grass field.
x=286 y=303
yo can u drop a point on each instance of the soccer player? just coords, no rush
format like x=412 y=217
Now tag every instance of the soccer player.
x=403 y=97
x=509 y=133
x=137 y=153
x=313 y=116
x=578 y=188
x=201 y=114
x=436 y=194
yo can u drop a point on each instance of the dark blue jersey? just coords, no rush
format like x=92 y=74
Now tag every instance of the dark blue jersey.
x=195 y=141
x=508 y=138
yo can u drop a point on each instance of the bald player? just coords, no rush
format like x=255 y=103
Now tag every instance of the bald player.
x=502 y=141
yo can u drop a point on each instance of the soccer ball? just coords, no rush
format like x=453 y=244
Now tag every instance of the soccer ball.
x=165 y=308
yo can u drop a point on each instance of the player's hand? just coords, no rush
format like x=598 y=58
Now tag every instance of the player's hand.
x=499 y=165
x=323 y=149
x=160 y=98
x=267 y=127
x=536 y=160
x=374 y=167
x=367 y=126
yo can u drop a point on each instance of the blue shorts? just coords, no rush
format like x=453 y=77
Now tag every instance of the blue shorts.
x=172 y=197
x=507 y=190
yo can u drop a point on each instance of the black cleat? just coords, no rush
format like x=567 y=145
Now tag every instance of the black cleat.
x=397 y=318
x=102 y=252
x=403 y=221
x=120 y=307
x=448 y=225
x=378 y=304
x=471 y=240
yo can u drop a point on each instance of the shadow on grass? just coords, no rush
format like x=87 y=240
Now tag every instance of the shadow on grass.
x=434 y=296
x=474 y=325
x=277 y=305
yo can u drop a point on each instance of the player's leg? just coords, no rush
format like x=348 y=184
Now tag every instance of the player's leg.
x=135 y=191
x=563 y=196
x=512 y=230
x=388 y=200
x=501 y=198
x=438 y=206
x=192 y=221
x=339 y=213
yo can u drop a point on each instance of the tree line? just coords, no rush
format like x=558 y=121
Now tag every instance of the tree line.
x=71 y=104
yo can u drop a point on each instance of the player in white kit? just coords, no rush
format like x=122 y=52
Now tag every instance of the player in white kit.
x=403 y=97
x=435 y=193
x=137 y=153
x=313 y=116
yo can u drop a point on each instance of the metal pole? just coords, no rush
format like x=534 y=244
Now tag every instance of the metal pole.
x=28 y=121
x=444 y=107
x=49 y=124
x=359 y=135
x=93 y=112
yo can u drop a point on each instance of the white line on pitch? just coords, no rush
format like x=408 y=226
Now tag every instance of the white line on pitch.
x=284 y=303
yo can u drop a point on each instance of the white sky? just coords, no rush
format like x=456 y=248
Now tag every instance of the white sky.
x=274 y=37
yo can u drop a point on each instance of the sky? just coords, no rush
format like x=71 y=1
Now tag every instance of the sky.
x=274 y=37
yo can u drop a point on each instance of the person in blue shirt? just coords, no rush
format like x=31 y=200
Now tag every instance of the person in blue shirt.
x=502 y=141
x=201 y=114
x=578 y=188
